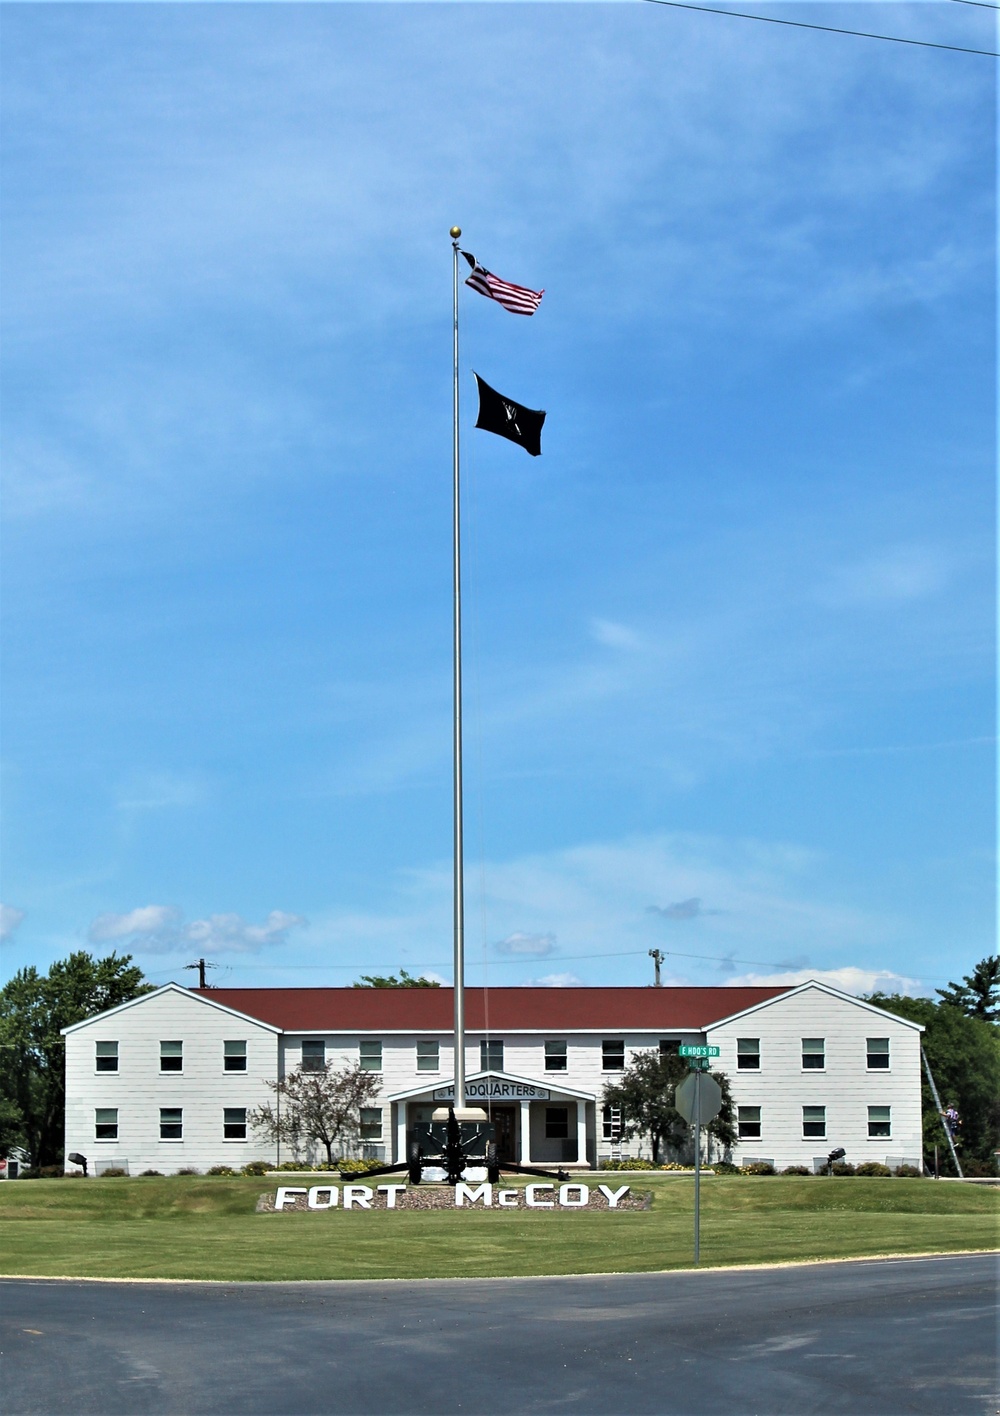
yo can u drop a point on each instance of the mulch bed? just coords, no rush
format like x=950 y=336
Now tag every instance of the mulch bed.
x=433 y=1197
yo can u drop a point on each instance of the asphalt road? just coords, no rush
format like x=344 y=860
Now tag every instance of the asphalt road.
x=870 y=1338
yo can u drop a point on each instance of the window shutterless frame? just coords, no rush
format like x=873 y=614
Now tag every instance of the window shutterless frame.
x=813 y=1054
x=428 y=1057
x=748 y=1121
x=172 y=1056
x=491 y=1055
x=370 y=1056
x=234 y=1056
x=557 y=1123
x=613 y=1055
x=313 y=1054
x=234 y=1123
x=879 y=1122
x=106 y=1057
x=877 y=1054
x=106 y=1123
x=555 y=1056
x=748 y=1054
x=171 y=1123
x=813 y=1122
x=371 y=1123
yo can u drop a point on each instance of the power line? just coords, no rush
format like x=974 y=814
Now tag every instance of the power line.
x=979 y=4
x=830 y=29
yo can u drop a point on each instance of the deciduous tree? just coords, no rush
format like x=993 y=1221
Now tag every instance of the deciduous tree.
x=322 y=1105
x=404 y=980
x=645 y=1096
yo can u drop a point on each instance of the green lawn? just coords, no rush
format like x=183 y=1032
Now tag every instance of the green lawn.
x=200 y=1227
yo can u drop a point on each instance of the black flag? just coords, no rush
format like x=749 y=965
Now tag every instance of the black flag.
x=511 y=420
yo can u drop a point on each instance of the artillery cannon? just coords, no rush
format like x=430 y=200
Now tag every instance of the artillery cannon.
x=454 y=1144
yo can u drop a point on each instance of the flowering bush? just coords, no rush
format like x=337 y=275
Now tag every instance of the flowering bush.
x=872 y=1167
x=758 y=1167
x=220 y=1170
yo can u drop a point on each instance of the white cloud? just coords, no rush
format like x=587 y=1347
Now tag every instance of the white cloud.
x=158 y=928
x=615 y=636
x=10 y=918
x=895 y=576
x=147 y=920
x=553 y=980
x=535 y=944
x=850 y=979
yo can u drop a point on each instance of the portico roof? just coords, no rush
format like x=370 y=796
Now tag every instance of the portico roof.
x=548 y=1084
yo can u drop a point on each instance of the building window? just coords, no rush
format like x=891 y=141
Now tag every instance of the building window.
x=106 y=1123
x=234 y=1123
x=813 y=1054
x=313 y=1055
x=878 y=1054
x=171 y=1056
x=371 y=1056
x=491 y=1055
x=171 y=1123
x=371 y=1123
x=555 y=1057
x=234 y=1056
x=107 y=1057
x=748 y=1054
x=879 y=1121
x=814 y=1122
x=428 y=1057
x=611 y=1123
x=557 y=1123
x=670 y=1046
x=748 y=1118
x=613 y=1055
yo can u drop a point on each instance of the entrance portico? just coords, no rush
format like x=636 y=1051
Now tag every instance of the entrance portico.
x=536 y=1123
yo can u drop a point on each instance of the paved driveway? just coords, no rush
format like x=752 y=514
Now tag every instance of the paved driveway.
x=870 y=1338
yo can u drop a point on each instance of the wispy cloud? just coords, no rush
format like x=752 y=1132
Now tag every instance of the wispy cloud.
x=682 y=909
x=850 y=978
x=553 y=980
x=534 y=945
x=10 y=918
x=160 y=929
x=614 y=635
x=895 y=576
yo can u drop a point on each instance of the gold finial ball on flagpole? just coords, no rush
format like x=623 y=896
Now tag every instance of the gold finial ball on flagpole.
x=455 y=232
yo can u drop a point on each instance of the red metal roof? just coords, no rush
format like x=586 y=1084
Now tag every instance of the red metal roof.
x=510 y=1009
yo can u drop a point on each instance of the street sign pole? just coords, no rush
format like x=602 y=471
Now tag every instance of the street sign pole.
x=697 y=1165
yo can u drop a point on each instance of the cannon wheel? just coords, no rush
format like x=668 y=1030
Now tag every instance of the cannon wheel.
x=413 y=1165
x=492 y=1163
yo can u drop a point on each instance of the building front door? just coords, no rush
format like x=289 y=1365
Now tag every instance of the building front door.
x=503 y=1121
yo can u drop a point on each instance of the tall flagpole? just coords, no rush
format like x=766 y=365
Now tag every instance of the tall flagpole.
x=459 y=860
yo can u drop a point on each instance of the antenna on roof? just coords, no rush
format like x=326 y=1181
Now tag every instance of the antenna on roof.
x=201 y=966
x=657 y=956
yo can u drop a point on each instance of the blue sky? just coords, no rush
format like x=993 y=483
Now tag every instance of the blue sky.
x=729 y=641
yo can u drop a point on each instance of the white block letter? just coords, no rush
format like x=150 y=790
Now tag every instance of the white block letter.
x=529 y=1197
x=390 y=1192
x=507 y=1199
x=465 y=1192
x=613 y=1196
x=358 y=1195
x=314 y=1201
x=582 y=1196
x=281 y=1199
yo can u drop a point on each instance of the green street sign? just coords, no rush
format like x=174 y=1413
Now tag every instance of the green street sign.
x=692 y=1050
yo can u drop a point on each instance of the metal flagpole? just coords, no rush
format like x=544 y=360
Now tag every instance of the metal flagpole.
x=459 y=855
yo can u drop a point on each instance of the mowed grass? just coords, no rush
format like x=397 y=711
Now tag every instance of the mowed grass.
x=206 y=1228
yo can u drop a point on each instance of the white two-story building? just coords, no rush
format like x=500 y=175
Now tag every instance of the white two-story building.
x=169 y=1080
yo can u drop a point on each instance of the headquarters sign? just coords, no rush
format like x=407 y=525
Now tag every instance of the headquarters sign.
x=494 y=1089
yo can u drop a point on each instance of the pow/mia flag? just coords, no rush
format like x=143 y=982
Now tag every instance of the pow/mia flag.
x=509 y=419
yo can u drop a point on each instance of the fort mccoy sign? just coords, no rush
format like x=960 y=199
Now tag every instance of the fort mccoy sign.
x=537 y=1196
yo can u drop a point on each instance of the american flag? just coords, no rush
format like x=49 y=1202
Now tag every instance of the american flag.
x=515 y=298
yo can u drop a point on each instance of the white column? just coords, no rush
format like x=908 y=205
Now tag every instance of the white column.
x=581 y=1132
x=524 y=1149
x=400 y=1132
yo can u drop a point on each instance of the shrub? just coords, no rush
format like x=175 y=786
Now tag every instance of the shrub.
x=220 y=1170
x=796 y=1170
x=725 y=1167
x=842 y=1167
x=51 y=1172
x=113 y=1173
x=978 y=1169
x=872 y=1167
x=627 y=1164
x=674 y=1165
x=187 y=1170
x=73 y=1175
x=293 y=1165
x=255 y=1167
x=758 y=1167
x=356 y=1167
x=152 y=1172
x=904 y=1171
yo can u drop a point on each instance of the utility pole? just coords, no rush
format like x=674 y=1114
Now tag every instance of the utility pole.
x=201 y=966
x=657 y=957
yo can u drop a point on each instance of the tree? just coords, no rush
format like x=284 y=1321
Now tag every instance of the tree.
x=33 y=1009
x=964 y=1055
x=979 y=992
x=645 y=1096
x=404 y=980
x=322 y=1105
